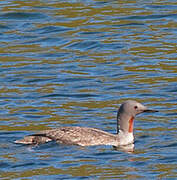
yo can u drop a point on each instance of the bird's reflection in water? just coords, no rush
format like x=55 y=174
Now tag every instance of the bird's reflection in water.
x=127 y=148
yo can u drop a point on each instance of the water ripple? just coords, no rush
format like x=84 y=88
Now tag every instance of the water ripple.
x=74 y=63
x=22 y=16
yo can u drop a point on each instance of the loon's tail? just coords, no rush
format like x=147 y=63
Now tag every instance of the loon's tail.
x=33 y=139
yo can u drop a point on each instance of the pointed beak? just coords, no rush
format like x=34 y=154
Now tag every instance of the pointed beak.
x=150 y=110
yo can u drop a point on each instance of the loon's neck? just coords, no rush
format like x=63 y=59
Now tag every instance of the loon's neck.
x=125 y=128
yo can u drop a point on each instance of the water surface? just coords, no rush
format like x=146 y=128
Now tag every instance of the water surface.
x=73 y=63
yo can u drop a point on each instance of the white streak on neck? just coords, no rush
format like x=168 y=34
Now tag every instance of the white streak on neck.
x=125 y=138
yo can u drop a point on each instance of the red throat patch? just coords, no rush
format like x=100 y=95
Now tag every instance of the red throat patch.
x=130 y=129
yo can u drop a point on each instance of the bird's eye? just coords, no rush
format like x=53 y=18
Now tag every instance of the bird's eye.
x=136 y=107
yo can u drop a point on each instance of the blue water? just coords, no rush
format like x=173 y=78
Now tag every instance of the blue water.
x=73 y=63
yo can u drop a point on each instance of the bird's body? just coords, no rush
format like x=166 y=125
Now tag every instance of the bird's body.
x=82 y=136
x=85 y=136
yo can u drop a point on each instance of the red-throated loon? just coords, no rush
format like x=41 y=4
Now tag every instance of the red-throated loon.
x=85 y=136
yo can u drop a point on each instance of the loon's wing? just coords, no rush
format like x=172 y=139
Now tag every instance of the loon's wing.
x=82 y=136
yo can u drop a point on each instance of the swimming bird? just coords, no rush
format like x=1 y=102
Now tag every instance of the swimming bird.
x=85 y=136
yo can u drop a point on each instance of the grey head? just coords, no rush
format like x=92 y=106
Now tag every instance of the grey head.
x=126 y=114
